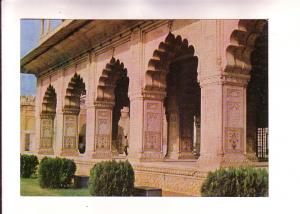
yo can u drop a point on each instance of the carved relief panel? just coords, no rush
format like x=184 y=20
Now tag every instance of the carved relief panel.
x=234 y=116
x=152 y=126
x=46 y=133
x=234 y=140
x=103 y=130
x=70 y=132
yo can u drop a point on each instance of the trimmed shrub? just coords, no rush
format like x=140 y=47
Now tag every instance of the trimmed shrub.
x=236 y=182
x=28 y=165
x=111 y=178
x=56 y=172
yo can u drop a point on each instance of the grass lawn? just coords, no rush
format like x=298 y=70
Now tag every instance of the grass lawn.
x=31 y=187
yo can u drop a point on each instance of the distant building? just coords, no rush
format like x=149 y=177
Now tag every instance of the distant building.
x=186 y=96
x=27 y=110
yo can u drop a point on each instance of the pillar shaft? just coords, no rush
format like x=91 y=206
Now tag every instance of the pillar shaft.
x=223 y=121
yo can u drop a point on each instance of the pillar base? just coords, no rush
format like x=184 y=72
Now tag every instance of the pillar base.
x=151 y=156
x=70 y=152
x=180 y=155
x=223 y=161
x=102 y=155
x=252 y=157
x=46 y=151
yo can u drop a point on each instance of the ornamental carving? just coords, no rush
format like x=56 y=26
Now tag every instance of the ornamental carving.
x=46 y=136
x=153 y=126
x=153 y=123
x=70 y=131
x=234 y=140
x=232 y=92
x=103 y=130
x=69 y=142
x=102 y=142
x=152 y=140
x=234 y=114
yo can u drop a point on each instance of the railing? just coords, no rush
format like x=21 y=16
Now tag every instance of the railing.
x=262 y=150
x=48 y=25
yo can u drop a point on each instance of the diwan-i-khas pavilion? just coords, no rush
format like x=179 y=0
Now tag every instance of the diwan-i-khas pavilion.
x=177 y=98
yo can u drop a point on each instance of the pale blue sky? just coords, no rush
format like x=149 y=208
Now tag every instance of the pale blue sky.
x=30 y=33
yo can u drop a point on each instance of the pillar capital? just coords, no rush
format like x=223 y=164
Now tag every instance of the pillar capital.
x=225 y=78
x=155 y=94
x=71 y=110
x=47 y=115
x=104 y=104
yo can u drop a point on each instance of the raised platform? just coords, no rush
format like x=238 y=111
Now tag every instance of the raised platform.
x=173 y=177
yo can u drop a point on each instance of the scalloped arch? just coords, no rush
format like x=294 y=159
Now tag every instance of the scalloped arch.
x=113 y=71
x=76 y=88
x=243 y=41
x=49 y=100
x=171 y=49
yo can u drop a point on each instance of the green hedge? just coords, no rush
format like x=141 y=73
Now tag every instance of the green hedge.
x=236 y=182
x=28 y=165
x=111 y=178
x=56 y=172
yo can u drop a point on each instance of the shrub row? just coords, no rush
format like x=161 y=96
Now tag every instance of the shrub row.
x=239 y=182
x=108 y=178
x=56 y=172
x=111 y=178
x=28 y=165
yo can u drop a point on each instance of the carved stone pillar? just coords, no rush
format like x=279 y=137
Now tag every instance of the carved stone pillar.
x=123 y=130
x=103 y=148
x=152 y=148
x=46 y=134
x=198 y=136
x=223 y=121
x=70 y=132
x=186 y=134
x=173 y=118
x=180 y=130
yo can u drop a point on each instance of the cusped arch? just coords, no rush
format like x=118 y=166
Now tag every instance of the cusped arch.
x=76 y=88
x=112 y=73
x=173 y=48
x=49 y=100
x=243 y=41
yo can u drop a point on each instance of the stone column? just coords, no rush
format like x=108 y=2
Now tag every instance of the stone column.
x=46 y=134
x=103 y=148
x=123 y=130
x=173 y=129
x=136 y=128
x=152 y=148
x=180 y=130
x=223 y=121
x=70 y=132
x=198 y=136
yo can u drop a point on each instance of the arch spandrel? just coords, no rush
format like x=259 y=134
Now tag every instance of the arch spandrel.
x=76 y=88
x=111 y=74
x=173 y=48
x=49 y=101
x=242 y=45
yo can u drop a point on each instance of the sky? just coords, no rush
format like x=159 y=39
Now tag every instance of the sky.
x=30 y=34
